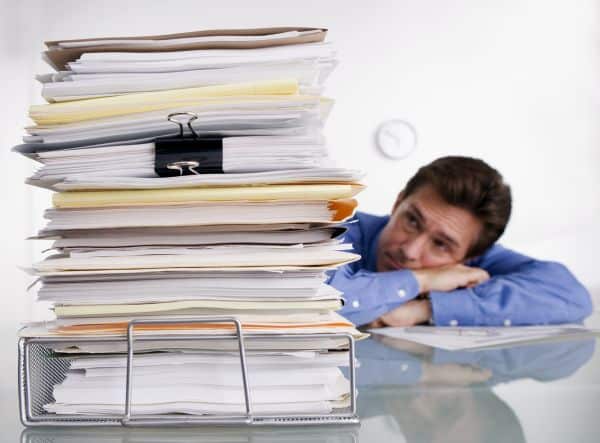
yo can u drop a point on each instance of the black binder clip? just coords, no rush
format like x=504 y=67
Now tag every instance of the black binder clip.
x=187 y=155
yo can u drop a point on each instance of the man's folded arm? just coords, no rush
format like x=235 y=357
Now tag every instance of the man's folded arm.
x=521 y=291
x=368 y=295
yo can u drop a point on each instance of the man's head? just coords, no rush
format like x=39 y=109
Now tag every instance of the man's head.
x=452 y=209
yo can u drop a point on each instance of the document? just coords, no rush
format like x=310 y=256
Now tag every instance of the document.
x=121 y=105
x=200 y=388
x=152 y=197
x=203 y=214
x=206 y=257
x=456 y=338
x=61 y=52
x=297 y=176
x=275 y=324
x=188 y=236
x=310 y=73
x=194 y=307
x=295 y=159
x=182 y=261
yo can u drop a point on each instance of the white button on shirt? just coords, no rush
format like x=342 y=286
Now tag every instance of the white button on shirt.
x=507 y=322
x=355 y=304
x=453 y=322
x=401 y=293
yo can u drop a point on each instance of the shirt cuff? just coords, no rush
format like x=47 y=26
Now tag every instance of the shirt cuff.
x=387 y=291
x=397 y=293
x=455 y=308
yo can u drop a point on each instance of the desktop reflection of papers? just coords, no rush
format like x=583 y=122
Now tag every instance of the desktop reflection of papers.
x=428 y=394
x=329 y=434
x=455 y=338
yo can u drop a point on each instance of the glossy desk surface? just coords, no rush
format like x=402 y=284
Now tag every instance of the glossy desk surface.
x=539 y=392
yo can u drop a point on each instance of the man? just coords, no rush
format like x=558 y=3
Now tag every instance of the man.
x=435 y=259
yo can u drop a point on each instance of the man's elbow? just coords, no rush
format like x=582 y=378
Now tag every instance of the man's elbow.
x=582 y=303
x=579 y=298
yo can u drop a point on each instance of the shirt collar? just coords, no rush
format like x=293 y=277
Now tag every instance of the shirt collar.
x=371 y=243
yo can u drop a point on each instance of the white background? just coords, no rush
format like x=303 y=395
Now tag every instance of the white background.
x=515 y=82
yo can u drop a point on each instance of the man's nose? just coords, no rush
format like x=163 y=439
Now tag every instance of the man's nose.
x=413 y=247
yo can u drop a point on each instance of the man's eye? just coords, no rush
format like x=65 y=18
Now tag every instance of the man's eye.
x=440 y=245
x=412 y=221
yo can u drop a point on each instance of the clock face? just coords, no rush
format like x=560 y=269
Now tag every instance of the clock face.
x=396 y=139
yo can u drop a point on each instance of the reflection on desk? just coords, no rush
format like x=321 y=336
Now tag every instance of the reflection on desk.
x=319 y=434
x=407 y=392
x=433 y=395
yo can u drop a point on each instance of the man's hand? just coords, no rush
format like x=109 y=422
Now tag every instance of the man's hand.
x=444 y=279
x=410 y=313
x=450 y=277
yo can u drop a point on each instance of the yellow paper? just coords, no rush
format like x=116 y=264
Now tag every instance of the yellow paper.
x=186 y=306
x=149 y=197
x=69 y=112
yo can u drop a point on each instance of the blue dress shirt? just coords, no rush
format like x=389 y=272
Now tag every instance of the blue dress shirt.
x=520 y=291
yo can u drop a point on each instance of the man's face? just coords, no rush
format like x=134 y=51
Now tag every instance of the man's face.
x=424 y=232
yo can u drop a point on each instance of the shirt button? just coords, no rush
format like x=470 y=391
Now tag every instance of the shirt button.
x=404 y=367
x=401 y=293
x=355 y=304
x=453 y=322
x=507 y=322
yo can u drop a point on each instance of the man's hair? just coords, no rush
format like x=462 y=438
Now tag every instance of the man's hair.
x=473 y=185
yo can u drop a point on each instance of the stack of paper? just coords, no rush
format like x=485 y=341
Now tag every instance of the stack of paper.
x=252 y=241
x=292 y=382
x=116 y=93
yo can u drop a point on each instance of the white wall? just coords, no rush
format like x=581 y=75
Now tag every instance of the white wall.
x=513 y=82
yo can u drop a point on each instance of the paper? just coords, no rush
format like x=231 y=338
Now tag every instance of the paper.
x=117 y=326
x=71 y=86
x=160 y=43
x=161 y=362
x=76 y=111
x=296 y=159
x=211 y=213
x=304 y=176
x=190 y=237
x=59 y=58
x=142 y=197
x=274 y=115
x=194 y=257
x=455 y=338
x=199 y=307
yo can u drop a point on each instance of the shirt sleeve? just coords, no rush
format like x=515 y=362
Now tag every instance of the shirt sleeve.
x=368 y=295
x=521 y=291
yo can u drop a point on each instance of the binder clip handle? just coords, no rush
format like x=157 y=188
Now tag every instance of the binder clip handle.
x=178 y=166
x=191 y=118
x=185 y=155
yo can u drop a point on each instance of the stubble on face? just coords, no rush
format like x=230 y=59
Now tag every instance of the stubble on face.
x=424 y=231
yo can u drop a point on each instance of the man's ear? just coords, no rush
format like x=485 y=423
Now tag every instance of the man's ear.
x=398 y=201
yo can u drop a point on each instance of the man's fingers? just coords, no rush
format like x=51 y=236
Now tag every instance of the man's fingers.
x=376 y=324
x=476 y=276
x=448 y=278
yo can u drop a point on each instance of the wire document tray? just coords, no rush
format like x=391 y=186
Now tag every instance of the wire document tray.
x=40 y=369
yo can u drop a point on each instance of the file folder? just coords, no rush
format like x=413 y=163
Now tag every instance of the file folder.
x=59 y=57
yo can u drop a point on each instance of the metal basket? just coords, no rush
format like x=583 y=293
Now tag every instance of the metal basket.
x=40 y=369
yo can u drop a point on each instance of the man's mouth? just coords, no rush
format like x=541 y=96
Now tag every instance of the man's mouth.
x=395 y=264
